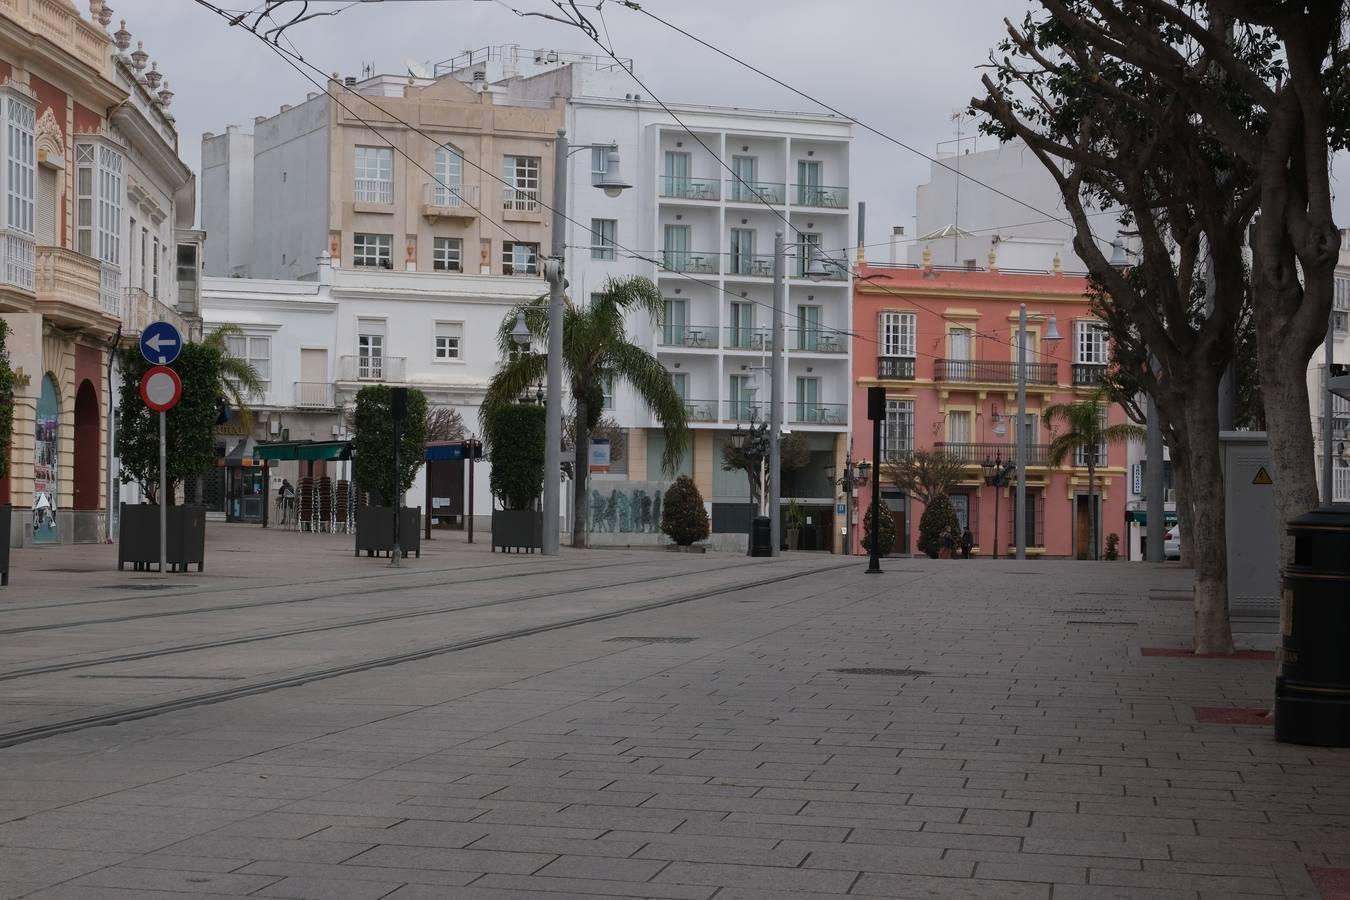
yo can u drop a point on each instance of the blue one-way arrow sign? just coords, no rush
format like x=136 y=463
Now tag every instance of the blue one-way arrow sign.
x=161 y=343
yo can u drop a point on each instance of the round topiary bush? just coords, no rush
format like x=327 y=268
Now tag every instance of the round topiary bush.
x=937 y=515
x=683 y=517
x=887 y=529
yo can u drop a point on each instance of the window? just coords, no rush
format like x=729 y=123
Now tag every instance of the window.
x=741 y=334
x=1340 y=482
x=372 y=250
x=1090 y=345
x=154 y=270
x=958 y=427
x=808 y=401
x=675 y=252
x=961 y=505
x=98 y=208
x=744 y=169
x=599 y=164
x=808 y=327
x=1341 y=299
x=607 y=389
x=449 y=337
x=447 y=254
x=680 y=382
x=1340 y=320
x=520 y=258
x=898 y=334
x=256 y=350
x=374 y=175
x=145 y=243
x=449 y=177
x=743 y=252
x=807 y=243
x=21 y=167
x=603 y=233
x=959 y=341
x=674 y=323
x=521 y=173
x=741 y=399
x=808 y=183
x=897 y=437
x=370 y=349
x=677 y=174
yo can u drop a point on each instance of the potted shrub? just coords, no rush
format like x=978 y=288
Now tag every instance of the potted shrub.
x=684 y=519
x=6 y=438
x=938 y=516
x=887 y=529
x=795 y=521
x=190 y=451
x=1113 y=546
x=515 y=437
x=373 y=469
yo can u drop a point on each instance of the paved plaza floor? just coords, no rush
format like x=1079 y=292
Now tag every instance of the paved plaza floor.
x=298 y=723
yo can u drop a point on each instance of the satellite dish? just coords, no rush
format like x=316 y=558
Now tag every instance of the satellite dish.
x=415 y=68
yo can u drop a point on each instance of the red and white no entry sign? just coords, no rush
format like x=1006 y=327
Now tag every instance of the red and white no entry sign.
x=161 y=388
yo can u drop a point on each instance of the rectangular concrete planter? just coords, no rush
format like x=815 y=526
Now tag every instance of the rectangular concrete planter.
x=138 y=536
x=6 y=523
x=517 y=529
x=375 y=530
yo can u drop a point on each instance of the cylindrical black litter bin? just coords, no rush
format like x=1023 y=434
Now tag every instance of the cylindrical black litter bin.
x=760 y=542
x=1312 y=691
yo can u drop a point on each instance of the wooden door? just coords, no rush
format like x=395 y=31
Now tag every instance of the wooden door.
x=1081 y=527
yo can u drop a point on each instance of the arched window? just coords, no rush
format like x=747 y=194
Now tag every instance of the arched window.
x=449 y=176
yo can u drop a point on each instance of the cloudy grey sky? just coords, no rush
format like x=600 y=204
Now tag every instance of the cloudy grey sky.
x=901 y=66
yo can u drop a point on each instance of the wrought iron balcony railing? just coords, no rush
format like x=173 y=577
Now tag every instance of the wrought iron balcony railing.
x=991 y=371
x=896 y=367
x=975 y=454
x=1088 y=374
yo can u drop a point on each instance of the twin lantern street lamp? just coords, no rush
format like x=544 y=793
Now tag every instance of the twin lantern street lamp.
x=997 y=474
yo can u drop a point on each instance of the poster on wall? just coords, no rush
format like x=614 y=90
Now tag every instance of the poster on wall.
x=45 y=461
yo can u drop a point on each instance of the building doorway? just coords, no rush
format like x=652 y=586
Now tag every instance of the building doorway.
x=88 y=438
x=898 y=504
x=1083 y=516
x=46 y=459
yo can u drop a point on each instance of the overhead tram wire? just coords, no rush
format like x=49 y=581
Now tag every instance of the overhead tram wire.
x=295 y=56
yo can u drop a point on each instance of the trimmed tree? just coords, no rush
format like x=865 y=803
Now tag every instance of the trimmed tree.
x=925 y=474
x=938 y=515
x=374 y=443
x=683 y=517
x=887 y=527
x=515 y=440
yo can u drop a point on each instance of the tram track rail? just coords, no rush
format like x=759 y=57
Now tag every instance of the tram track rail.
x=133 y=713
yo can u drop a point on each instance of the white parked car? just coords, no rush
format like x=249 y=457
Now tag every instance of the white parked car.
x=1172 y=542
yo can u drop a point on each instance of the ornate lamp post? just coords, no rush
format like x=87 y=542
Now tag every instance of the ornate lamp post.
x=753 y=441
x=997 y=474
x=855 y=476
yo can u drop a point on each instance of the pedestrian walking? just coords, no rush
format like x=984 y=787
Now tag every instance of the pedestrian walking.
x=946 y=544
x=967 y=542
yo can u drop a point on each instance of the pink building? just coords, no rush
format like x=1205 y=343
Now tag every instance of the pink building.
x=943 y=343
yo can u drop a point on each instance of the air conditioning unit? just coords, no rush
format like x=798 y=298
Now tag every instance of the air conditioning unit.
x=337 y=431
x=275 y=425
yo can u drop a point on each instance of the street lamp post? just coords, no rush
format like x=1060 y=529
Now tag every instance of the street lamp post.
x=997 y=473
x=855 y=475
x=613 y=185
x=755 y=441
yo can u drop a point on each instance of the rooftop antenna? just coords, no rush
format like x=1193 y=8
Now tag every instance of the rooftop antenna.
x=415 y=68
x=956 y=212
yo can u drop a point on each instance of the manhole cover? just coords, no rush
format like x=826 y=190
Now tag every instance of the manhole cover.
x=134 y=587
x=649 y=640
x=893 y=672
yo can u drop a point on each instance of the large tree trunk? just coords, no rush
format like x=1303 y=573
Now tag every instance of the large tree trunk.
x=1181 y=481
x=1291 y=440
x=581 y=473
x=1213 y=629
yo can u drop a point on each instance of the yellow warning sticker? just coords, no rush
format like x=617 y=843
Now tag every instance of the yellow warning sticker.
x=1262 y=477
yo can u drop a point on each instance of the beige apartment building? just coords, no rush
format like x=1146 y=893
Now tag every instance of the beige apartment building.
x=391 y=172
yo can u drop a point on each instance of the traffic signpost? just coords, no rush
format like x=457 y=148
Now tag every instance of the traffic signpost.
x=161 y=389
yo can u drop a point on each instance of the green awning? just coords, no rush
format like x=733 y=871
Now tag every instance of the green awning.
x=303 y=450
x=1141 y=516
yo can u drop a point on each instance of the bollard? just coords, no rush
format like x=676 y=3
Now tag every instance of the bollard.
x=1312 y=691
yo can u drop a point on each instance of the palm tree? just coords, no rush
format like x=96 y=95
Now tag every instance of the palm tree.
x=239 y=380
x=596 y=349
x=1085 y=430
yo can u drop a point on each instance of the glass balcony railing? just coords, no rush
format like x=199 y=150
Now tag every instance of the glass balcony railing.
x=698 y=337
x=821 y=196
x=700 y=410
x=739 y=337
x=756 y=265
x=771 y=192
x=742 y=410
x=812 y=413
x=685 y=261
x=817 y=340
x=682 y=188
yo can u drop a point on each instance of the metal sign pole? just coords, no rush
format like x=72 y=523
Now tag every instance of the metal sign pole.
x=396 y=556
x=163 y=503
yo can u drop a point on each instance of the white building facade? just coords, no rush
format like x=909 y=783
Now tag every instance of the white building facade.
x=1339 y=335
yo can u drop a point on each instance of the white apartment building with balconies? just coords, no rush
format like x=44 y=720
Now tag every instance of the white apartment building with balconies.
x=711 y=186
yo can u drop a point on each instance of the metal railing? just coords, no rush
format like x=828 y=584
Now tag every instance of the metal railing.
x=700 y=410
x=897 y=367
x=450 y=196
x=991 y=371
x=759 y=265
x=696 y=336
x=685 y=261
x=746 y=338
x=374 y=190
x=832 y=270
x=975 y=454
x=315 y=395
x=800 y=413
x=371 y=368
x=821 y=196
x=1088 y=374
x=520 y=199
x=755 y=191
x=742 y=410
x=817 y=340
x=682 y=188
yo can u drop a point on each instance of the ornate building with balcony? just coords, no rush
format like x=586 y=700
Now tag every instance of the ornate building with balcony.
x=87 y=142
x=943 y=343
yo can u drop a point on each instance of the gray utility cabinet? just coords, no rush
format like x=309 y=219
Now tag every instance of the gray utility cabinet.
x=1253 y=536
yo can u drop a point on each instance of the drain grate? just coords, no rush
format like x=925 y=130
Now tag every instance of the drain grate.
x=891 y=672
x=648 y=640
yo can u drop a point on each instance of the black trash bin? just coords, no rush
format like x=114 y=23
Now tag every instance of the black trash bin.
x=1312 y=691
x=760 y=544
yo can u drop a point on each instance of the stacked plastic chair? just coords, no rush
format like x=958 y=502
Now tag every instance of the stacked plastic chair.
x=306 y=517
x=326 y=504
x=342 y=506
